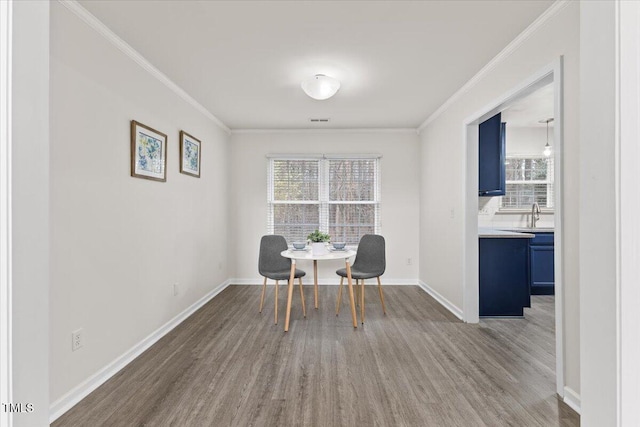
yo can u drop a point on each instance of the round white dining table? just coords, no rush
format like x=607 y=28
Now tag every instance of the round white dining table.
x=296 y=255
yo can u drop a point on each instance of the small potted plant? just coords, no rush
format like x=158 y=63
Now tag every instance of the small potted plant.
x=318 y=240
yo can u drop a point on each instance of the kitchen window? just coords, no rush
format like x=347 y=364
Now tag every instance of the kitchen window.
x=529 y=180
x=334 y=194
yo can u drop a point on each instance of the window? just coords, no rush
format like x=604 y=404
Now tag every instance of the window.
x=529 y=180
x=339 y=196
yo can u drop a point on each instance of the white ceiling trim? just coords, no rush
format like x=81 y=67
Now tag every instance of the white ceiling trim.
x=125 y=48
x=332 y=130
x=515 y=43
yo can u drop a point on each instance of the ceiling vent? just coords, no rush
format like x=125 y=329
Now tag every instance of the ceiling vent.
x=319 y=120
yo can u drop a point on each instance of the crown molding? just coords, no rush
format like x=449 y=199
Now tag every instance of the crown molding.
x=128 y=50
x=551 y=12
x=329 y=131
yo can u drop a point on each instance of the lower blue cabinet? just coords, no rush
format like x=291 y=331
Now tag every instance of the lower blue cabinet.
x=541 y=262
x=504 y=276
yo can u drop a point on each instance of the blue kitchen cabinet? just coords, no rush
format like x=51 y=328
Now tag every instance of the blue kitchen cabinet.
x=491 y=157
x=541 y=254
x=504 y=276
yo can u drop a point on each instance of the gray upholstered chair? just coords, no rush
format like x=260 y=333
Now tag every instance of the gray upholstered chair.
x=274 y=266
x=369 y=263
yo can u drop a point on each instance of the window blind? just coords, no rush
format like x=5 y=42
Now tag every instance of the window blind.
x=339 y=196
x=528 y=180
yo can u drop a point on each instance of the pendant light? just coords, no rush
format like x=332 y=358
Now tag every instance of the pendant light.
x=547 y=147
x=320 y=87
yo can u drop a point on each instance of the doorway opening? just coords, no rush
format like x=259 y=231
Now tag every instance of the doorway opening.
x=548 y=80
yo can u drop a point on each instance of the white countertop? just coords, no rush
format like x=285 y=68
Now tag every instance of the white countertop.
x=492 y=233
x=528 y=229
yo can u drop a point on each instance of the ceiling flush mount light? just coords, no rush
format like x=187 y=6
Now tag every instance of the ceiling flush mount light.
x=547 y=148
x=320 y=87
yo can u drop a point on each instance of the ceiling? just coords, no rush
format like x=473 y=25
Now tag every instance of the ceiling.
x=244 y=60
x=530 y=110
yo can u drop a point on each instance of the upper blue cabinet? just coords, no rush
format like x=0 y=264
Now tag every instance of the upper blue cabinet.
x=492 y=157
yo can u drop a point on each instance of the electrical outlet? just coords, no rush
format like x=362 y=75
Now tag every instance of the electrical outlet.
x=175 y=289
x=409 y=261
x=77 y=339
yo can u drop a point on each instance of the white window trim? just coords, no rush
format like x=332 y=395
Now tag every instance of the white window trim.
x=323 y=188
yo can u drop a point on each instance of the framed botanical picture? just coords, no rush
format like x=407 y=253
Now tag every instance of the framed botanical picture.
x=190 y=154
x=148 y=152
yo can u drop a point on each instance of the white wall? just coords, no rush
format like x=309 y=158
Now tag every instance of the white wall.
x=443 y=157
x=527 y=140
x=399 y=170
x=489 y=215
x=118 y=244
x=598 y=222
x=30 y=212
x=629 y=228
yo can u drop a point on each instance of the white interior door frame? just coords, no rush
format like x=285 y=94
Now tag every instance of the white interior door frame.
x=628 y=201
x=6 y=385
x=471 y=303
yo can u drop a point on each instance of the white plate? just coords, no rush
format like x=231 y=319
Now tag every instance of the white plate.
x=299 y=250
x=338 y=250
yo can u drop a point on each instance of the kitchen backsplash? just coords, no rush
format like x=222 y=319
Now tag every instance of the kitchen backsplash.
x=489 y=215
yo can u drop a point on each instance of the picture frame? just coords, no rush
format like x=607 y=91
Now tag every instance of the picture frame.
x=190 y=154
x=148 y=153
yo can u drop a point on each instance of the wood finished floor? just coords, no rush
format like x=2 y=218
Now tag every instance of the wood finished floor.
x=228 y=365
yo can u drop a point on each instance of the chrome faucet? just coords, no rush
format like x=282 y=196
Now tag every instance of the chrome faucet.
x=535 y=214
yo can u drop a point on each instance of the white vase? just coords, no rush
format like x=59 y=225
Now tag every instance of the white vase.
x=318 y=248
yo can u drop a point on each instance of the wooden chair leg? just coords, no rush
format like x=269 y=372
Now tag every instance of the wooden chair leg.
x=362 y=301
x=304 y=309
x=315 y=282
x=339 y=296
x=357 y=292
x=264 y=288
x=276 y=306
x=384 y=310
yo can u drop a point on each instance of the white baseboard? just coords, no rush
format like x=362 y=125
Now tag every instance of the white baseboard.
x=323 y=282
x=572 y=399
x=83 y=389
x=442 y=300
